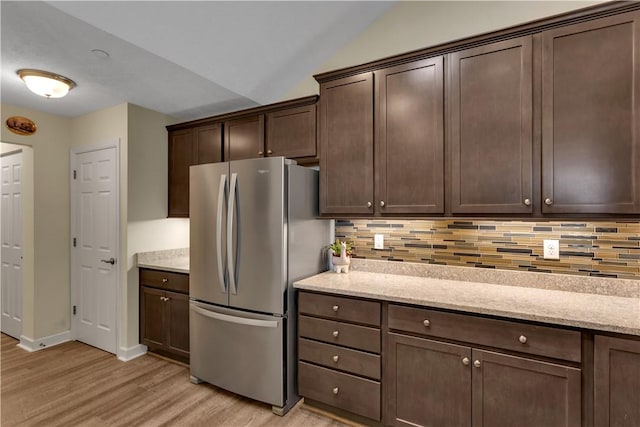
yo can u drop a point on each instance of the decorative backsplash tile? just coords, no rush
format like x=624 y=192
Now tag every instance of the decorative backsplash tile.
x=605 y=249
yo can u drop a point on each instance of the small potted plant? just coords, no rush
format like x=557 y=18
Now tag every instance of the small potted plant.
x=341 y=255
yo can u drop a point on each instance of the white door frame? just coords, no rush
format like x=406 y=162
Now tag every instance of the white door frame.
x=73 y=216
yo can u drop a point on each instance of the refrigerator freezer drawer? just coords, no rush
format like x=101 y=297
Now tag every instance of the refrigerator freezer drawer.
x=238 y=351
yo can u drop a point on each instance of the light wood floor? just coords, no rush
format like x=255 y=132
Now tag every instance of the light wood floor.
x=73 y=384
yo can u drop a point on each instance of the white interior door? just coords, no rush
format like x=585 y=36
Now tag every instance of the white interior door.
x=95 y=251
x=11 y=241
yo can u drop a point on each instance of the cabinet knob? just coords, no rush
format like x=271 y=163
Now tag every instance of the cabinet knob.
x=336 y=333
x=165 y=280
x=335 y=358
x=369 y=204
x=335 y=390
x=476 y=363
x=260 y=153
x=548 y=201
x=382 y=203
x=335 y=307
x=465 y=361
x=527 y=202
x=426 y=322
x=269 y=152
x=522 y=339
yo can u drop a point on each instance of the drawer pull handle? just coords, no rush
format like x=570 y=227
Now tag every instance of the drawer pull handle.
x=335 y=390
x=165 y=280
x=465 y=361
x=522 y=339
x=476 y=363
x=335 y=307
x=426 y=323
x=336 y=333
x=335 y=358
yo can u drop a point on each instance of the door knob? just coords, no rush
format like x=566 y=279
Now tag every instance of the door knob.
x=382 y=203
x=336 y=333
x=260 y=153
x=465 y=361
x=548 y=201
x=476 y=363
x=368 y=204
x=527 y=202
x=111 y=261
x=269 y=152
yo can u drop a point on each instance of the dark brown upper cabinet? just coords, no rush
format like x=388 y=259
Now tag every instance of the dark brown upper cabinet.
x=208 y=140
x=181 y=156
x=409 y=172
x=490 y=138
x=346 y=145
x=202 y=144
x=590 y=107
x=244 y=138
x=292 y=132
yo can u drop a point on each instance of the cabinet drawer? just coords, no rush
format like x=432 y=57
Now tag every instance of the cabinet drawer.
x=332 y=332
x=354 y=394
x=344 y=359
x=164 y=279
x=340 y=308
x=539 y=340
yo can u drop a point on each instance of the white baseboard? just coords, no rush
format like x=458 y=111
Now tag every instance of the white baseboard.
x=126 y=354
x=30 y=345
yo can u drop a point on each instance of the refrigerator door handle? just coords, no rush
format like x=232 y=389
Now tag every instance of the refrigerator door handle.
x=223 y=183
x=230 y=255
x=234 y=319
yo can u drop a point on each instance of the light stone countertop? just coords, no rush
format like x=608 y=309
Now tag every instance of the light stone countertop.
x=560 y=307
x=176 y=260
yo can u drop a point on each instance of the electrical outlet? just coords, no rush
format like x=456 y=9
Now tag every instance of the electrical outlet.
x=378 y=241
x=551 y=249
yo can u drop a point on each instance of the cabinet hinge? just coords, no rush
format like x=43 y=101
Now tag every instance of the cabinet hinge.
x=74 y=310
x=74 y=242
x=75 y=174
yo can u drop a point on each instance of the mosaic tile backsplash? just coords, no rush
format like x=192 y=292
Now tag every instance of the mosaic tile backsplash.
x=605 y=249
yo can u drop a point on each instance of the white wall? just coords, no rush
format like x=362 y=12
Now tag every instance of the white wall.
x=46 y=222
x=144 y=225
x=148 y=228
x=412 y=25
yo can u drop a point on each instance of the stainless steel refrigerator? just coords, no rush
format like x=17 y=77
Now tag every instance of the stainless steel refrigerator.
x=253 y=231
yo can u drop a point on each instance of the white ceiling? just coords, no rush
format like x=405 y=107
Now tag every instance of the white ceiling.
x=188 y=59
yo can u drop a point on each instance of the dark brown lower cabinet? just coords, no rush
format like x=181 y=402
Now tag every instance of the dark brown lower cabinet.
x=164 y=319
x=617 y=382
x=432 y=383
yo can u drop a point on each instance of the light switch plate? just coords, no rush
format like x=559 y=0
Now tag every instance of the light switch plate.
x=378 y=241
x=551 y=249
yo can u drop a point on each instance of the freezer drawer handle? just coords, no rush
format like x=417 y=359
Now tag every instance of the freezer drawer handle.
x=234 y=319
x=223 y=183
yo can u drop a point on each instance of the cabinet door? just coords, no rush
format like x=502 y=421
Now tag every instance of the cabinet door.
x=514 y=391
x=590 y=122
x=181 y=156
x=152 y=317
x=244 y=138
x=490 y=90
x=177 y=327
x=292 y=132
x=427 y=383
x=410 y=139
x=617 y=382
x=346 y=145
x=208 y=142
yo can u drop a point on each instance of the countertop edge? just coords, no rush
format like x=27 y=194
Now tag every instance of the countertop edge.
x=164 y=268
x=550 y=320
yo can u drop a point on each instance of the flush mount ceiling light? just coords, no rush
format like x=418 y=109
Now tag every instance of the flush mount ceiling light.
x=44 y=83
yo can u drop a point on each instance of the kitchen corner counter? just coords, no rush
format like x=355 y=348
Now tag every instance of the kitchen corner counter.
x=176 y=260
x=562 y=304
